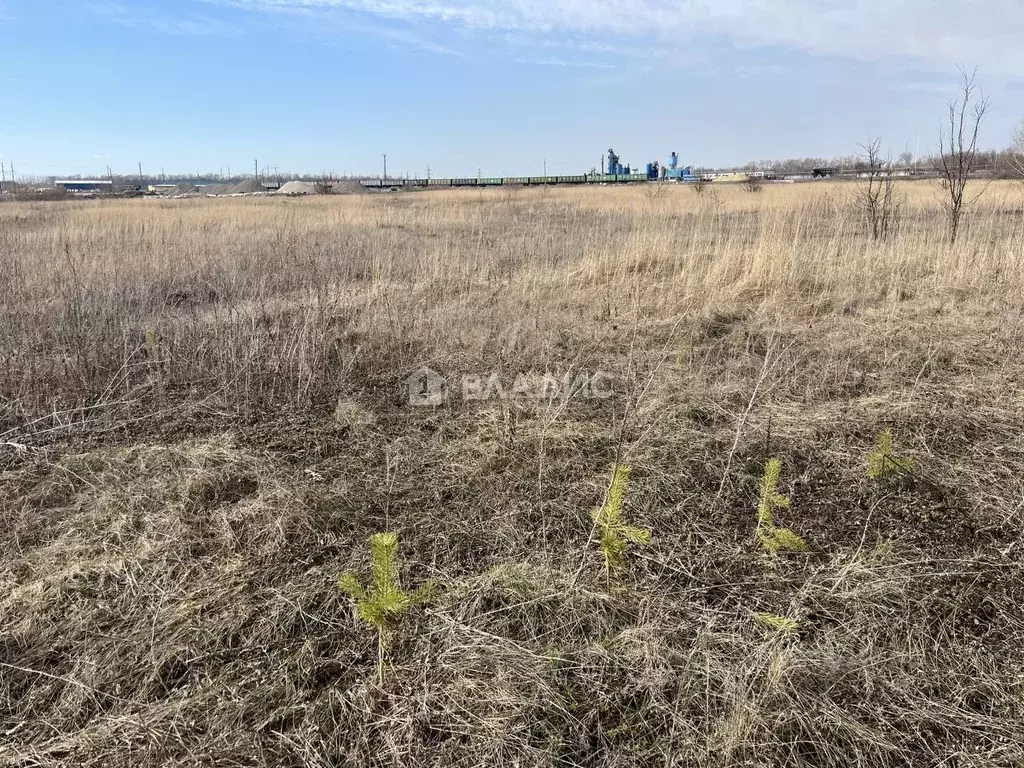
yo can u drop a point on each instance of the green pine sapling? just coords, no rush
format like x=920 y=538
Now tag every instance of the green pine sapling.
x=616 y=534
x=883 y=463
x=384 y=602
x=771 y=537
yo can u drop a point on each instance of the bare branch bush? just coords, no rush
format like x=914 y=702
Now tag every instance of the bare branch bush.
x=879 y=200
x=1016 y=154
x=958 y=148
x=655 y=190
x=753 y=184
x=324 y=184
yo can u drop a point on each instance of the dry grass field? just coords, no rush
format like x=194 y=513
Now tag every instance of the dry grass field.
x=204 y=416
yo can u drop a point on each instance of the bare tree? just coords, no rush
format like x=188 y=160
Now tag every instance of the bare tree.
x=699 y=185
x=324 y=184
x=753 y=183
x=655 y=190
x=1016 y=154
x=958 y=147
x=880 y=201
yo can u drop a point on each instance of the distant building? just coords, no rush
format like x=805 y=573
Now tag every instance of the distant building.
x=86 y=185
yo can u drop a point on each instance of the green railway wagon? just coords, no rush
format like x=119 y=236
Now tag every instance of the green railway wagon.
x=572 y=179
x=490 y=182
x=439 y=182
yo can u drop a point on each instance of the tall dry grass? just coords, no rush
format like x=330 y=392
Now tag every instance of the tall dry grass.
x=204 y=418
x=256 y=304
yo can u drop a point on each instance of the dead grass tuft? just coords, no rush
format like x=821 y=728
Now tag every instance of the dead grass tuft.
x=204 y=417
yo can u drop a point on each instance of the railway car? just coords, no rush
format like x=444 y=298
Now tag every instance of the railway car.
x=621 y=174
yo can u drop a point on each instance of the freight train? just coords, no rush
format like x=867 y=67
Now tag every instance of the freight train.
x=586 y=178
x=617 y=174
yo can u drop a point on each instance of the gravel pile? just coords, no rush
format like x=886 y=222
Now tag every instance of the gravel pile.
x=247 y=187
x=350 y=188
x=298 y=188
x=182 y=190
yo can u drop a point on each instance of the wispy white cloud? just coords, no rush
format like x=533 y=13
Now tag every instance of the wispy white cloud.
x=933 y=32
x=185 y=24
x=553 y=61
x=942 y=87
x=339 y=30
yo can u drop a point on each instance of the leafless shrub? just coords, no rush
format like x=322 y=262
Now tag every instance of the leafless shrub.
x=1016 y=153
x=324 y=184
x=753 y=184
x=700 y=186
x=878 y=198
x=655 y=190
x=958 y=148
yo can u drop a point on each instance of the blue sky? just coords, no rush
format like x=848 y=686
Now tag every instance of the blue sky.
x=497 y=86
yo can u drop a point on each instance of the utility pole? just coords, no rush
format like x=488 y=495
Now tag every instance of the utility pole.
x=141 y=182
x=256 y=163
x=3 y=176
x=385 y=166
x=428 y=173
x=545 y=166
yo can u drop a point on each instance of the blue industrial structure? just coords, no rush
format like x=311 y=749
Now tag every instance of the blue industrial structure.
x=615 y=166
x=679 y=174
